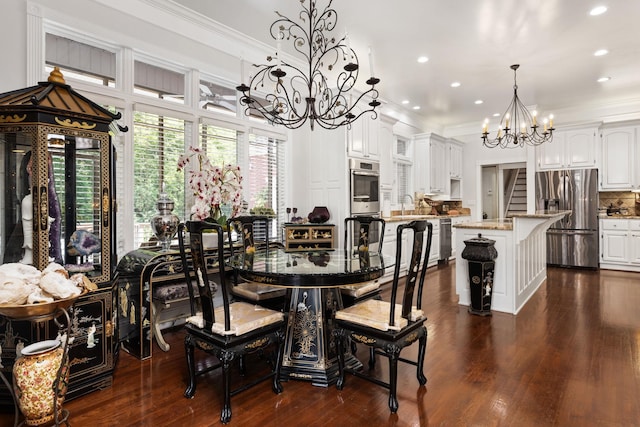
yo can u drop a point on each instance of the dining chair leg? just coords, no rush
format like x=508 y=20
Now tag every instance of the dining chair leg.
x=339 y=335
x=277 y=386
x=394 y=354
x=226 y=358
x=422 y=350
x=191 y=367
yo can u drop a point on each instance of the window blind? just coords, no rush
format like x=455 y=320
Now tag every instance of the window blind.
x=80 y=60
x=264 y=181
x=158 y=142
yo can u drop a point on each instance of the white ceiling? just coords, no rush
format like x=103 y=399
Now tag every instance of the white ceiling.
x=474 y=42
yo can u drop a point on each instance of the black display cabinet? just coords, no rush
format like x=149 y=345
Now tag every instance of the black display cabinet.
x=57 y=204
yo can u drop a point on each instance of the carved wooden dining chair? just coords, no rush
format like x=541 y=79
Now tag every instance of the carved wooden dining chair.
x=253 y=234
x=358 y=233
x=228 y=330
x=390 y=326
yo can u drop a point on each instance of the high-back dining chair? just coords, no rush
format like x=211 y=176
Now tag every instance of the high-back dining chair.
x=358 y=231
x=228 y=331
x=390 y=326
x=253 y=234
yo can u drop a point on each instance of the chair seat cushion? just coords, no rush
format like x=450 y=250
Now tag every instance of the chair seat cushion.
x=360 y=289
x=375 y=314
x=245 y=317
x=257 y=291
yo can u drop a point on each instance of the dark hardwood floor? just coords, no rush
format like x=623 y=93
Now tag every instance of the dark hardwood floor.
x=571 y=357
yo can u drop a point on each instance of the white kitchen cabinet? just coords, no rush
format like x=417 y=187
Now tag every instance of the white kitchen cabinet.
x=574 y=148
x=431 y=172
x=620 y=154
x=434 y=254
x=455 y=159
x=389 y=248
x=634 y=242
x=390 y=240
x=439 y=170
x=363 y=137
x=456 y=220
x=620 y=244
x=386 y=145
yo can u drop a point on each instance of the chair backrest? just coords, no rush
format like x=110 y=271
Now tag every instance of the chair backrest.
x=365 y=231
x=416 y=270
x=197 y=268
x=252 y=231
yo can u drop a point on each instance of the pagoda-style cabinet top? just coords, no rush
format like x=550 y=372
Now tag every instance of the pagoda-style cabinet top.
x=57 y=196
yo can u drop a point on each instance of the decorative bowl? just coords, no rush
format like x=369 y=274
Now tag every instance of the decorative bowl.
x=319 y=215
x=26 y=311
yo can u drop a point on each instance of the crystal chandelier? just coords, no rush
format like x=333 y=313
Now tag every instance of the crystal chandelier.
x=517 y=126
x=321 y=92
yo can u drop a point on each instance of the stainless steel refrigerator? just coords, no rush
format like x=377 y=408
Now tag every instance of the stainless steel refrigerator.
x=572 y=241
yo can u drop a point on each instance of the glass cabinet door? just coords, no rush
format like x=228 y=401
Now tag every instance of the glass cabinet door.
x=70 y=202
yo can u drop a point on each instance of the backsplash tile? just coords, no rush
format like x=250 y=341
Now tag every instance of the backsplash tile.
x=622 y=199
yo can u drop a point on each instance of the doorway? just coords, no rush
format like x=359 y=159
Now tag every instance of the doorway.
x=490 y=193
x=500 y=188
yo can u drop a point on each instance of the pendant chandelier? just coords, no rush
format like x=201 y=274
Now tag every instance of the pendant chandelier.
x=321 y=92
x=517 y=126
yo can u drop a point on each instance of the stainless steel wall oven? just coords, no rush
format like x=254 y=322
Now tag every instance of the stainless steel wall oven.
x=365 y=187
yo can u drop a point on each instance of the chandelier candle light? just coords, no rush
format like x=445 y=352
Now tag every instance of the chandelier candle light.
x=514 y=125
x=308 y=95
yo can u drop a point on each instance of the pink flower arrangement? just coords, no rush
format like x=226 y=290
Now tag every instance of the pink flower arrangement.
x=213 y=186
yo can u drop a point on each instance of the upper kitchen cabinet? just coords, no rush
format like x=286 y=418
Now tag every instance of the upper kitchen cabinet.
x=620 y=157
x=455 y=159
x=363 y=138
x=574 y=148
x=431 y=168
x=386 y=145
x=438 y=163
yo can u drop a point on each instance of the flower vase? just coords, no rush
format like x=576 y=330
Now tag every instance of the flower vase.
x=35 y=373
x=165 y=223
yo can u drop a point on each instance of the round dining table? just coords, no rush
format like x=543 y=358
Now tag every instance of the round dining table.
x=314 y=278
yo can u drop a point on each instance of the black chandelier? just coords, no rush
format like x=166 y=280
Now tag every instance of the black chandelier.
x=308 y=94
x=517 y=126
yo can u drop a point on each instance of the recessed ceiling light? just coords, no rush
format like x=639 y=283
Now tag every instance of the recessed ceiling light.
x=422 y=59
x=455 y=84
x=479 y=101
x=405 y=102
x=496 y=114
x=598 y=10
x=600 y=52
x=416 y=107
x=604 y=79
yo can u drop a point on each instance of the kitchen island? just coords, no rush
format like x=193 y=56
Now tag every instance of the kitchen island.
x=521 y=265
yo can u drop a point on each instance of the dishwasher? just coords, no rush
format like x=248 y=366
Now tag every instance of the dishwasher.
x=445 y=239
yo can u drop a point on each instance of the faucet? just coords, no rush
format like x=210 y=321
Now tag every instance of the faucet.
x=402 y=203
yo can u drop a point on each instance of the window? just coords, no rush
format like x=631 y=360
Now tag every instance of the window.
x=80 y=61
x=157 y=82
x=263 y=184
x=220 y=145
x=402 y=166
x=158 y=142
x=217 y=98
x=161 y=132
